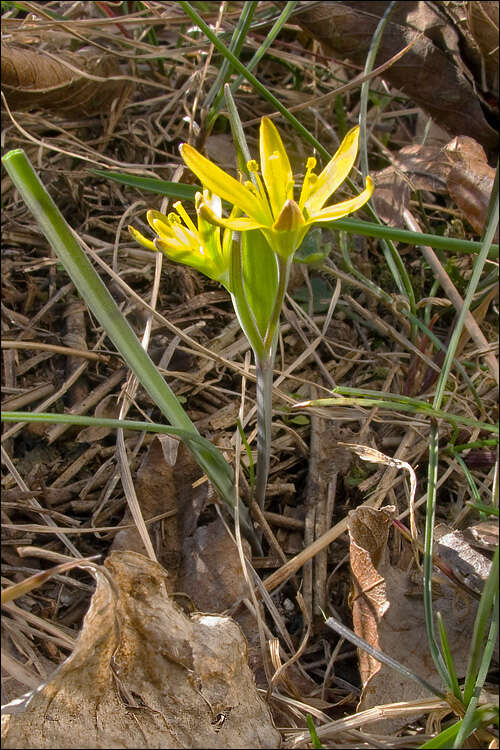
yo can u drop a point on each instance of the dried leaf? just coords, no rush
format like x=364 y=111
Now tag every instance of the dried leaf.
x=107 y=408
x=388 y=612
x=391 y=196
x=144 y=675
x=164 y=484
x=482 y=21
x=33 y=79
x=470 y=182
x=211 y=571
x=426 y=73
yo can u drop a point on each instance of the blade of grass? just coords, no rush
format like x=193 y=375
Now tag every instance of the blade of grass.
x=445 y=647
x=240 y=68
x=150 y=184
x=251 y=466
x=470 y=479
x=315 y=742
x=365 y=86
x=488 y=510
x=126 y=424
x=441 y=347
x=270 y=37
x=235 y=46
x=397 y=403
x=432 y=476
x=448 y=736
x=448 y=244
x=487 y=604
x=392 y=257
x=474 y=717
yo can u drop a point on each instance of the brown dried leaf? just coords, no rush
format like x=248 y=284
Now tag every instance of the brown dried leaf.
x=422 y=168
x=144 y=675
x=460 y=168
x=164 y=483
x=33 y=79
x=470 y=181
x=426 y=166
x=212 y=576
x=391 y=196
x=425 y=73
x=388 y=613
x=482 y=21
x=107 y=408
x=211 y=571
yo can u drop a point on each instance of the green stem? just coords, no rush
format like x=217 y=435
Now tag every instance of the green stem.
x=264 y=371
x=284 y=267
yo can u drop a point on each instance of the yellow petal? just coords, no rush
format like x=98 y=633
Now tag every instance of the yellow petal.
x=334 y=173
x=159 y=223
x=275 y=166
x=222 y=184
x=330 y=213
x=140 y=238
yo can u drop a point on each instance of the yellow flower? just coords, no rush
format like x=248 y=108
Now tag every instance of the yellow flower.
x=199 y=247
x=269 y=204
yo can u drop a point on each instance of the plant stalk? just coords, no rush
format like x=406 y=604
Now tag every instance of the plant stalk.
x=264 y=372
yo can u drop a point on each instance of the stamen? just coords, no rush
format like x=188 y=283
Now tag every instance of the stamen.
x=250 y=186
x=183 y=213
x=252 y=166
x=310 y=179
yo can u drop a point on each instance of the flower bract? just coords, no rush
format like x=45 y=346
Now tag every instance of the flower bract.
x=268 y=199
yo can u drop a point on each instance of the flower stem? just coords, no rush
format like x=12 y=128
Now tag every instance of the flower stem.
x=264 y=371
x=284 y=274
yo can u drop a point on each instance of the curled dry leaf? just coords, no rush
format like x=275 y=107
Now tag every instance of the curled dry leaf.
x=38 y=80
x=414 y=167
x=391 y=195
x=144 y=675
x=202 y=561
x=107 y=408
x=460 y=168
x=388 y=612
x=470 y=181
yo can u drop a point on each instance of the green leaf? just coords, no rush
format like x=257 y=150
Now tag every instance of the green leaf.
x=315 y=741
x=151 y=184
x=260 y=277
